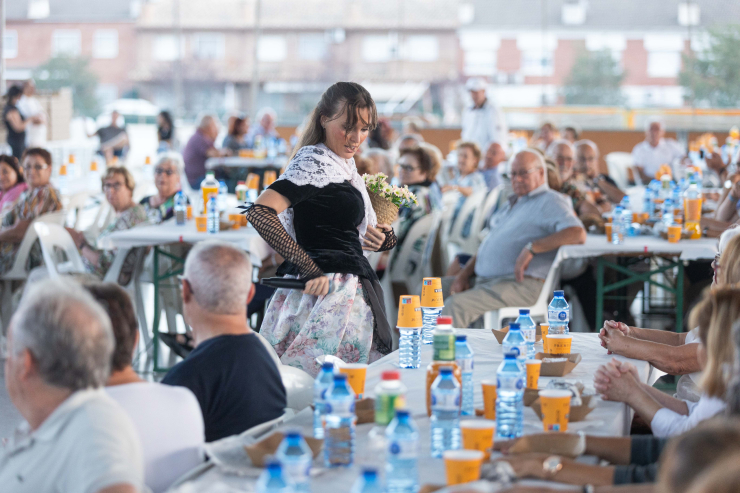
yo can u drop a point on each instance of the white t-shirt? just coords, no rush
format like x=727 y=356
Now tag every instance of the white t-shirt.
x=85 y=445
x=693 y=338
x=650 y=158
x=667 y=423
x=170 y=426
x=35 y=132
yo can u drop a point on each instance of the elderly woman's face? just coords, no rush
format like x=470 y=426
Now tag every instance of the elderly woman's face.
x=8 y=177
x=36 y=170
x=116 y=192
x=166 y=179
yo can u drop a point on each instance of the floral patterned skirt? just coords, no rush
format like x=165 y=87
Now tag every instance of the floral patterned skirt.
x=303 y=327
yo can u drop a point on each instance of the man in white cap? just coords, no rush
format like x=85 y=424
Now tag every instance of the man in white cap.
x=483 y=123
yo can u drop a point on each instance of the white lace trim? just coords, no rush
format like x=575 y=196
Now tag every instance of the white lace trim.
x=320 y=166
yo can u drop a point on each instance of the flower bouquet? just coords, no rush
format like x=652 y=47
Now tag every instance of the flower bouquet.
x=386 y=199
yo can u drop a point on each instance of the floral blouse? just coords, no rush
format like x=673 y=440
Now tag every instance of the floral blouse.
x=10 y=198
x=429 y=197
x=31 y=204
x=126 y=220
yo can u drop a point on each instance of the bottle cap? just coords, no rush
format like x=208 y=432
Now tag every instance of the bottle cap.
x=340 y=377
x=369 y=472
x=559 y=292
x=391 y=375
x=461 y=338
x=524 y=311
x=444 y=320
x=327 y=366
x=293 y=434
x=514 y=326
x=510 y=356
x=241 y=183
x=445 y=370
x=402 y=413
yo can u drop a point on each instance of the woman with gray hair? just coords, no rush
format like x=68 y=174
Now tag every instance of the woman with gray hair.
x=167 y=173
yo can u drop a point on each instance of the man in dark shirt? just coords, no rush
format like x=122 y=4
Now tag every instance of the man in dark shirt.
x=230 y=372
x=113 y=139
x=587 y=166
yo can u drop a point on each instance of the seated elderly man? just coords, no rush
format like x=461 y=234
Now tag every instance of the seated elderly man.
x=230 y=372
x=75 y=438
x=562 y=152
x=587 y=173
x=514 y=258
x=199 y=148
x=491 y=169
x=654 y=151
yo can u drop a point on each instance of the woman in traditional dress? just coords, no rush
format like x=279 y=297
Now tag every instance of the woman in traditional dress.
x=318 y=216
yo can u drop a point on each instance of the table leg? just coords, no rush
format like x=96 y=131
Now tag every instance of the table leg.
x=599 y=293
x=157 y=309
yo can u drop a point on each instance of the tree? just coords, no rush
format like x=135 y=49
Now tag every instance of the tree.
x=712 y=76
x=64 y=71
x=595 y=79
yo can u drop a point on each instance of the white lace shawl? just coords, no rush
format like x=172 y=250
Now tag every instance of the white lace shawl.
x=319 y=166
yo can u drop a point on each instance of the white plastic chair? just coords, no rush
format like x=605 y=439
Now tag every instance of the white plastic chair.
x=538 y=311
x=618 y=163
x=463 y=238
x=103 y=218
x=54 y=238
x=406 y=265
x=76 y=203
x=298 y=387
x=491 y=200
x=19 y=272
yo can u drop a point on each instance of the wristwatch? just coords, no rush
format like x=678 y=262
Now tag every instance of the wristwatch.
x=528 y=246
x=552 y=465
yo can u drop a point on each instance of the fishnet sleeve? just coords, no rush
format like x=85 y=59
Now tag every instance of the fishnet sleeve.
x=265 y=220
x=390 y=241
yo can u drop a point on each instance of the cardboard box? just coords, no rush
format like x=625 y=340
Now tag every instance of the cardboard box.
x=259 y=451
x=531 y=395
x=500 y=334
x=577 y=413
x=558 y=369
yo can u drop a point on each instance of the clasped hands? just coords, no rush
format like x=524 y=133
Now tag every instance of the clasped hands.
x=617 y=381
x=614 y=336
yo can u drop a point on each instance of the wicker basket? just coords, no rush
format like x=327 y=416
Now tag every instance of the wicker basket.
x=386 y=210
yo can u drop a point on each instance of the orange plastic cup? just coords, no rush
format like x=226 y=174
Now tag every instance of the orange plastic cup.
x=269 y=178
x=462 y=466
x=674 y=233
x=555 y=405
x=644 y=217
x=559 y=343
x=409 y=312
x=356 y=374
x=431 y=293
x=608 y=231
x=477 y=434
x=635 y=217
x=253 y=181
x=534 y=367
x=189 y=212
x=489 y=398
x=201 y=224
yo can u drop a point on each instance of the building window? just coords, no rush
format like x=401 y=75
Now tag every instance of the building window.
x=166 y=48
x=422 y=48
x=480 y=62
x=66 y=42
x=105 y=43
x=312 y=46
x=663 y=64
x=209 y=46
x=537 y=63
x=689 y=14
x=379 y=47
x=10 y=44
x=272 y=48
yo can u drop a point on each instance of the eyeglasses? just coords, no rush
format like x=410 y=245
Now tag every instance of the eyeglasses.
x=715 y=264
x=162 y=171
x=112 y=186
x=35 y=167
x=523 y=174
x=407 y=167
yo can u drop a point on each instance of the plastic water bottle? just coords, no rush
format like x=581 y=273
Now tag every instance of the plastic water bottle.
x=390 y=395
x=444 y=340
x=514 y=342
x=368 y=482
x=648 y=202
x=296 y=457
x=626 y=216
x=409 y=347
x=429 y=320
x=339 y=423
x=181 y=209
x=558 y=314
x=464 y=359
x=529 y=330
x=445 y=422
x=667 y=212
x=223 y=191
x=401 y=465
x=213 y=217
x=510 y=398
x=272 y=479
x=322 y=383
x=617 y=229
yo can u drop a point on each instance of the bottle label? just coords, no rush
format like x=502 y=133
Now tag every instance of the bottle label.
x=446 y=401
x=530 y=335
x=510 y=383
x=557 y=315
x=340 y=407
x=403 y=449
x=298 y=471
x=519 y=351
x=465 y=364
x=385 y=407
x=444 y=347
x=319 y=394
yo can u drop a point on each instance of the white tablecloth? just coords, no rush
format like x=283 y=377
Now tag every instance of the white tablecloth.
x=596 y=246
x=169 y=232
x=609 y=418
x=245 y=162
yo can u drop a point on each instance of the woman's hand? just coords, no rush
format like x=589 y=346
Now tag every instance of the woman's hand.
x=318 y=286
x=77 y=237
x=375 y=237
x=613 y=339
x=616 y=383
x=528 y=465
